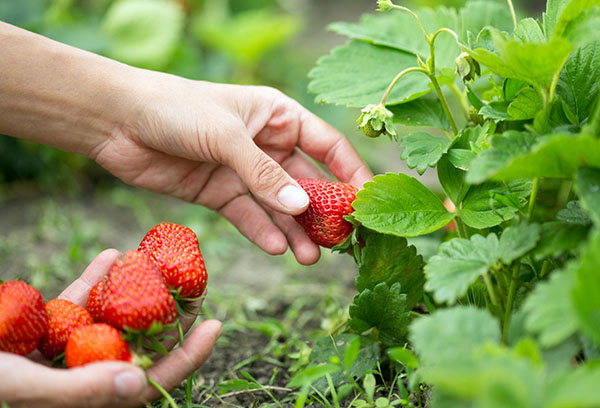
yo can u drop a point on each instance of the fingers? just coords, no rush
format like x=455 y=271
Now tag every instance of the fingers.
x=266 y=179
x=27 y=384
x=325 y=144
x=78 y=291
x=171 y=370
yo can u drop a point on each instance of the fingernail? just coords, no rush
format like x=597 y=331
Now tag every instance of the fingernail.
x=129 y=384
x=292 y=197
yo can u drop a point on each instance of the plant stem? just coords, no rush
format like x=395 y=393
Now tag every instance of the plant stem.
x=461 y=98
x=512 y=13
x=396 y=78
x=163 y=392
x=461 y=229
x=409 y=11
x=534 y=193
x=490 y=289
x=440 y=94
x=510 y=300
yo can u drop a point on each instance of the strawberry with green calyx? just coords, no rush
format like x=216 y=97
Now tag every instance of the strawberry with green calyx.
x=23 y=318
x=64 y=316
x=467 y=67
x=323 y=221
x=175 y=250
x=376 y=120
x=135 y=299
x=102 y=342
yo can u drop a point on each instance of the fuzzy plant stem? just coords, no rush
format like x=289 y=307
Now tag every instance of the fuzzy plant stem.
x=510 y=300
x=512 y=13
x=396 y=79
x=532 y=198
x=490 y=289
x=409 y=11
x=163 y=392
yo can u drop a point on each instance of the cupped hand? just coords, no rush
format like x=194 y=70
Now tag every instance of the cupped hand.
x=235 y=149
x=30 y=382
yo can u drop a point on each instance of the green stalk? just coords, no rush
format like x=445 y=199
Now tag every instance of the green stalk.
x=512 y=13
x=409 y=11
x=510 y=300
x=461 y=229
x=490 y=288
x=534 y=193
x=396 y=78
x=163 y=392
x=440 y=94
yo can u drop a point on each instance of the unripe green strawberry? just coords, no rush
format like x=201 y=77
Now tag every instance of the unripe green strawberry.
x=23 y=318
x=96 y=342
x=323 y=220
x=135 y=295
x=94 y=302
x=175 y=250
x=64 y=316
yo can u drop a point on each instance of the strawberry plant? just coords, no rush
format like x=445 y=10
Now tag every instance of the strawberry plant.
x=503 y=311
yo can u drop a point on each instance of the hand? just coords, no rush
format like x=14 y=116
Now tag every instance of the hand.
x=27 y=382
x=212 y=144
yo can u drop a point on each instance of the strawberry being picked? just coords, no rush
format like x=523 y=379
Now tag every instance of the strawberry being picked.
x=23 y=318
x=323 y=220
x=63 y=317
x=175 y=250
x=134 y=295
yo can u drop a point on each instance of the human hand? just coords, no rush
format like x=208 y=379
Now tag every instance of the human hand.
x=30 y=382
x=212 y=144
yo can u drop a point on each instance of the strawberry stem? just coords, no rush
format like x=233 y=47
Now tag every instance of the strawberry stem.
x=163 y=392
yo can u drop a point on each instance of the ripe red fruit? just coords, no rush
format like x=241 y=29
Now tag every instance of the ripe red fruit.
x=323 y=220
x=135 y=295
x=95 y=342
x=94 y=302
x=175 y=250
x=63 y=317
x=23 y=318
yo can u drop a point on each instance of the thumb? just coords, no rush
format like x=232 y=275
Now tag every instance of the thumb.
x=268 y=181
x=96 y=385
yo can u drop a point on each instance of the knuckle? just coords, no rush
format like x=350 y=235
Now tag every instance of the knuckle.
x=266 y=174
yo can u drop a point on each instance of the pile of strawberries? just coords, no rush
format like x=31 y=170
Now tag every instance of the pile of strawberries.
x=141 y=297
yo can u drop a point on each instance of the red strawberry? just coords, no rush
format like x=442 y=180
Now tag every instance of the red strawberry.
x=175 y=250
x=63 y=317
x=94 y=302
x=323 y=220
x=95 y=342
x=23 y=318
x=135 y=295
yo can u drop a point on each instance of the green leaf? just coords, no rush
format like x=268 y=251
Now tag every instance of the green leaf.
x=556 y=156
x=587 y=184
x=389 y=259
x=490 y=204
x=549 y=309
x=558 y=238
x=584 y=29
x=403 y=356
x=311 y=374
x=517 y=240
x=586 y=293
x=528 y=30
x=452 y=179
x=357 y=74
x=420 y=112
x=351 y=352
x=452 y=335
x=497 y=111
x=399 y=30
x=526 y=105
x=574 y=214
x=503 y=148
x=400 y=205
x=246 y=36
x=384 y=308
x=461 y=158
x=577 y=387
x=569 y=12
x=458 y=263
x=579 y=83
x=422 y=150
x=143 y=32
x=478 y=14
x=531 y=62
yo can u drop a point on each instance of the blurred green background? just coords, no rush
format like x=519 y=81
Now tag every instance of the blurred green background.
x=58 y=210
